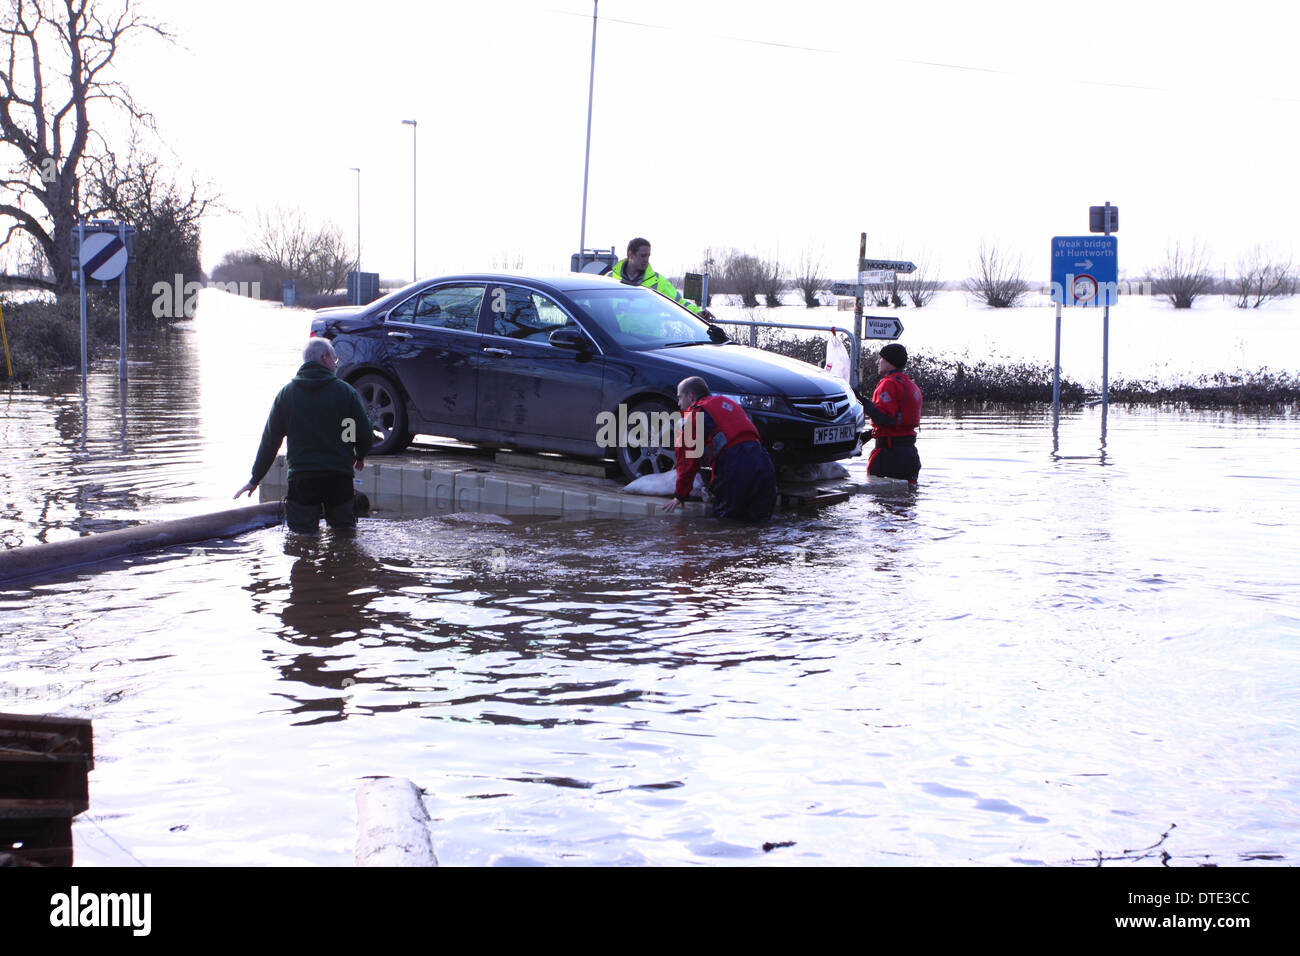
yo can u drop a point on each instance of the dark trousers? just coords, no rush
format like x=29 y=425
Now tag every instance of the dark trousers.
x=315 y=492
x=744 y=484
x=895 y=458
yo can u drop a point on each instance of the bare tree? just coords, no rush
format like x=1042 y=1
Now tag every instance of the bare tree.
x=998 y=281
x=318 y=257
x=56 y=67
x=1262 y=275
x=921 y=285
x=284 y=239
x=1184 y=275
x=885 y=292
x=330 y=260
x=744 y=275
x=773 y=282
x=808 y=278
x=166 y=216
x=244 y=265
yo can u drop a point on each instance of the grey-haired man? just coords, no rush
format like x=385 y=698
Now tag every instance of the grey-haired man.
x=325 y=422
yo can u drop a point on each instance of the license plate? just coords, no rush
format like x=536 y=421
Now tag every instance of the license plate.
x=830 y=434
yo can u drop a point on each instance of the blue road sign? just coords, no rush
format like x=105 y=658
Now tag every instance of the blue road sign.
x=1085 y=270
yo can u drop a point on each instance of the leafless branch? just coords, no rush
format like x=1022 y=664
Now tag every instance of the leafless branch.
x=1262 y=275
x=998 y=282
x=808 y=278
x=1185 y=274
x=921 y=285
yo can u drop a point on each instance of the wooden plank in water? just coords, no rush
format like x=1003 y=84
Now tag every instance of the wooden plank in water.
x=44 y=762
x=46 y=841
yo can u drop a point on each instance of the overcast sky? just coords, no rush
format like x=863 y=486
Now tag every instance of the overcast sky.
x=772 y=127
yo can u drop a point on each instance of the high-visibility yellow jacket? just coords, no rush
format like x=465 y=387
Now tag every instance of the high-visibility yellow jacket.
x=654 y=280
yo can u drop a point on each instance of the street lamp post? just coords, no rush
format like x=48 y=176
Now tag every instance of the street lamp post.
x=357 y=170
x=414 y=271
x=586 y=162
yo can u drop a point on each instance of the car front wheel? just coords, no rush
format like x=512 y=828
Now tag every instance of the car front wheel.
x=387 y=414
x=650 y=454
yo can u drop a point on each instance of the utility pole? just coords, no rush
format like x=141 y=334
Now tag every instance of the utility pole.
x=586 y=163
x=357 y=170
x=414 y=215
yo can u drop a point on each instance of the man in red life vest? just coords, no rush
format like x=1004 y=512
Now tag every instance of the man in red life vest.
x=895 y=411
x=717 y=433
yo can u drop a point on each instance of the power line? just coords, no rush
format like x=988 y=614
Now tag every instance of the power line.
x=939 y=64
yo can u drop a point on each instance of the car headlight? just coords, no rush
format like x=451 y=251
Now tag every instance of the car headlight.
x=758 y=403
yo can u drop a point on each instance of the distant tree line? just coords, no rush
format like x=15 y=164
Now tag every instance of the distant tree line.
x=1184 y=275
x=998 y=279
x=756 y=279
x=286 y=247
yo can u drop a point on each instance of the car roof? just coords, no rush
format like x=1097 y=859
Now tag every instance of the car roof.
x=569 y=282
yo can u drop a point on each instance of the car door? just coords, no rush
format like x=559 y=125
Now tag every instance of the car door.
x=433 y=347
x=526 y=385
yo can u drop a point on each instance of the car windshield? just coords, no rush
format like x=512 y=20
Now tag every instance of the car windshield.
x=641 y=319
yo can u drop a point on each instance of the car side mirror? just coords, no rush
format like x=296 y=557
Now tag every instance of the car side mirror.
x=568 y=338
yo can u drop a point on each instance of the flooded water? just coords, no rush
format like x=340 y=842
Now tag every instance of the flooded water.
x=1038 y=658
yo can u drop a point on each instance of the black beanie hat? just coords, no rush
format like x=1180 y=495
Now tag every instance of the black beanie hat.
x=894 y=354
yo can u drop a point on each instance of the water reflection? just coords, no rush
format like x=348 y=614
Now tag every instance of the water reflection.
x=122 y=452
x=1104 y=409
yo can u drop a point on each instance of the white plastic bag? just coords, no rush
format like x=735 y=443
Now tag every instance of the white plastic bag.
x=837 y=356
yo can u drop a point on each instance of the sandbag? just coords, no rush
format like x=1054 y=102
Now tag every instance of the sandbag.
x=662 y=484
x=826 y=471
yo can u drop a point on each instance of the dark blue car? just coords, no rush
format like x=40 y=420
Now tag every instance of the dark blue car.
x=580 y=364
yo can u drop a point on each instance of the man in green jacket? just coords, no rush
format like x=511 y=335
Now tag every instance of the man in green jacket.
x=635 y=270
x=329 y=436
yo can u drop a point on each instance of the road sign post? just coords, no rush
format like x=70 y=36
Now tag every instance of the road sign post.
x=103 y=250
x=1110 y=222
x=121 y=312
x=1085 y=273
x=855 y=360
x=81 y=282
x=870 y=327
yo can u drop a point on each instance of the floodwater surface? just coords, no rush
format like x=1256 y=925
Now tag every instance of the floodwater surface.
x=1039 y=658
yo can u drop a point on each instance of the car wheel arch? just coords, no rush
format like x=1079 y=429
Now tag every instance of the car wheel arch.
x=361 y=371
